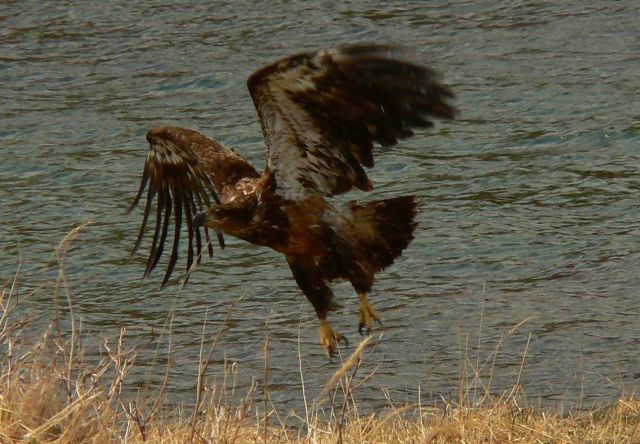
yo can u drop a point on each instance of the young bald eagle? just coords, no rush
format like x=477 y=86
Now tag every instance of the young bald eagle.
x=321 y=114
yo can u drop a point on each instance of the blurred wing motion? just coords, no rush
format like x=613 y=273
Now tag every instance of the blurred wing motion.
x=185 y=171
x=322 y=112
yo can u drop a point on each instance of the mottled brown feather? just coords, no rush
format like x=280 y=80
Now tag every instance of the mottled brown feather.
x=322 y=112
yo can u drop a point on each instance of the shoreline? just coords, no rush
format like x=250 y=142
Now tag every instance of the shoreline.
x=50 y=393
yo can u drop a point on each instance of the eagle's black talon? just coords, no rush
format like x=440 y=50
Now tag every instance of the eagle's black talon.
x=334 y=351
x=329 y=338
x=367 y=316
x=199 y=219
x=363 y=328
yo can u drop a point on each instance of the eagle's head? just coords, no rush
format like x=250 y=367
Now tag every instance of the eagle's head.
x=232 y=218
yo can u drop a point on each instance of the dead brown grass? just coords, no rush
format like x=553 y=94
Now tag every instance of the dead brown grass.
x=49 y=394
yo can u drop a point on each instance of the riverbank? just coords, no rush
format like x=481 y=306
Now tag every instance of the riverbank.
x=50 y=393
x=48 y=396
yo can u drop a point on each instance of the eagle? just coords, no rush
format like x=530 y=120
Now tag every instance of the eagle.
x=321 y=115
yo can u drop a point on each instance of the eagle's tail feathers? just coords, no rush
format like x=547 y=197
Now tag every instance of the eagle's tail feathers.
x=385 y=229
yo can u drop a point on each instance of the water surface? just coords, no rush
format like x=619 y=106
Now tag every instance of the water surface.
x=529 y=203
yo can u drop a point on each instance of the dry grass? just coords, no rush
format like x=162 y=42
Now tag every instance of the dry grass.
x=49 y=394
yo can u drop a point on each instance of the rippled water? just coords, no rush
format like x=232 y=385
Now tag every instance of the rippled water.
x=530 y=201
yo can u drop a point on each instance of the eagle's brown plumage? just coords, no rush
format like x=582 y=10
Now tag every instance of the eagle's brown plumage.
x=321 y=114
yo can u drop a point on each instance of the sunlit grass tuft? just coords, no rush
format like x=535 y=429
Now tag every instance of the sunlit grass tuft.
x=50 y=394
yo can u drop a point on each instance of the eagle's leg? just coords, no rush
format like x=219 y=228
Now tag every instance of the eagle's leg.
x=367 y=315
x=329 y=338
x=321 y=297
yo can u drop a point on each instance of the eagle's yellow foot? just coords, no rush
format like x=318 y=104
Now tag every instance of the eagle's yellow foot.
x=329 y=338
x=367 y=315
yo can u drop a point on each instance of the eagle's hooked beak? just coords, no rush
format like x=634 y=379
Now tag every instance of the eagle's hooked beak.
x=199 y=220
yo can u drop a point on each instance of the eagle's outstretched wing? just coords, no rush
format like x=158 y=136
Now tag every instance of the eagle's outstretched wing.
x=321 y=113
x=186 y=171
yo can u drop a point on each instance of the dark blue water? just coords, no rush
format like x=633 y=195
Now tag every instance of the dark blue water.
x=530 y=206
